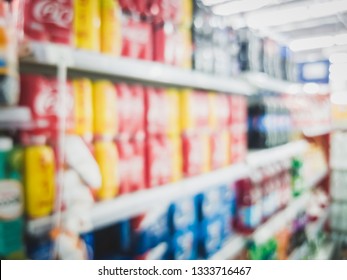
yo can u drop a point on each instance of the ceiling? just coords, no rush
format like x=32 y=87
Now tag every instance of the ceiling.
x=289 y=20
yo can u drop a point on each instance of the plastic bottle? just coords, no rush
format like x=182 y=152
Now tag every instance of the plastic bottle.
x=107 y=157
x=249 y=205
x=39 y=178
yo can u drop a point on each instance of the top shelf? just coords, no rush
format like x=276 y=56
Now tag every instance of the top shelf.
x=89 y=63
x=84 y=62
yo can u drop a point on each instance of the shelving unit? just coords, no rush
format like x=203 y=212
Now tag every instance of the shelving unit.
x=130 y=205
x=263 y=81
x=236 y=243
x=88 y=63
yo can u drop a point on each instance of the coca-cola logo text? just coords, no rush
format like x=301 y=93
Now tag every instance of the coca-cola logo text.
x=57 y=12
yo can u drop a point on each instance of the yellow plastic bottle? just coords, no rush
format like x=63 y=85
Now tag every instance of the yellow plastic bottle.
x=39 y=179
x=106 y=156
x=105 y=109
x=87 y=24
x=110 y=27
x=83 y=97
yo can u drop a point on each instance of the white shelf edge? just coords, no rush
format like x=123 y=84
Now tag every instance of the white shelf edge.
x=134 y=69
x=264 y=81
x=232 y=247
x=15 y=117
x=134 y=204
x=317 y=131
x=268 y=156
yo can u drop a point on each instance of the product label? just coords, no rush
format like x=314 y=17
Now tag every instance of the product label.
x=55 y=12
x=11 y=200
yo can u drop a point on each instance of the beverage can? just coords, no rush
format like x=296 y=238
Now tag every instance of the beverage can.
x=49 y=20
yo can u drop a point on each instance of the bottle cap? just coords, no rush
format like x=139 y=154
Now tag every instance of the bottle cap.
x=6 y=144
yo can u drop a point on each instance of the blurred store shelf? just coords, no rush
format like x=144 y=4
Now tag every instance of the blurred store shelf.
x=263 y=81
x=130 y=205
x=86 y=62
x=279 y=220
x=236 y=243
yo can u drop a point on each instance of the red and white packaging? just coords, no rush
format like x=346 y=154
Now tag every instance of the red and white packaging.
x=131 y=165
x=137 y=41
x=166 y=10
x=47 y=105
x=158 y=161
x=238 y=110
x=238 y=146
x=169 y=45
x=49 y=20
x=131 y=109
x=201 y=109
x=196 y=153
x=157 y=113
x=220 y=143
x=223 y=112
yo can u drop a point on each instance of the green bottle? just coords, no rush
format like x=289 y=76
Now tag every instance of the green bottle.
x=11 y=202
x=297 y=177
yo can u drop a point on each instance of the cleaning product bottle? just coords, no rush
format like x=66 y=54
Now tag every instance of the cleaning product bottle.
x=39 y=178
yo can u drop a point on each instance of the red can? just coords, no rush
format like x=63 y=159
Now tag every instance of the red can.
x=49 y=20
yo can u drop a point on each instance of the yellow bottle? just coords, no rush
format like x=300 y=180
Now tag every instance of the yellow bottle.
x=105 y=109
x=206 y=152
x=110 y=27
x=173 y=100
x=83 y=97
x=87 y=24
x=213 y=110
x=188 y=111
x=107 y=158
x=39 y=180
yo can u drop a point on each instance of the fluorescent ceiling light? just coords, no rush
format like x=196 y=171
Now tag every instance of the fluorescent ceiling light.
x=320 y=42
x=240 y=6
x=278 y=16
x=213 y=2
x=338 y=58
